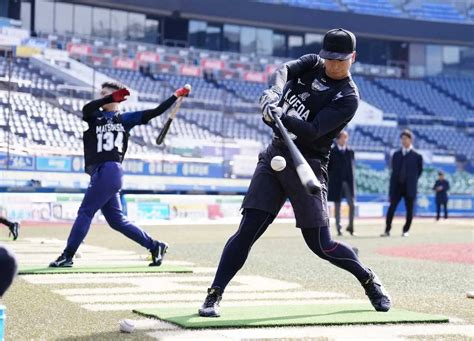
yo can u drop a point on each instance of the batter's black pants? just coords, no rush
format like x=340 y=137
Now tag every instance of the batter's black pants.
x=255 y=222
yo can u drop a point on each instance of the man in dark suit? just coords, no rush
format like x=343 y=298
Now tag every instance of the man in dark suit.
x=441 y=187
x=341 y=180
x=407 y=166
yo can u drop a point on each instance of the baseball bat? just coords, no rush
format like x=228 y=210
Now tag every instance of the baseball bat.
x=303 y=169
x=166 y=127
x=172 y=115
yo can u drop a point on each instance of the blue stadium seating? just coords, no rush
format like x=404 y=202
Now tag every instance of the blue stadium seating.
x=315 y=4
x=373 y=7
x=459 y=88
x=426 y=97
x=416 y=9
x=435 y=11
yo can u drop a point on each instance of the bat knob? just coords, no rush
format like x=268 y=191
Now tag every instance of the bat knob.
x=312 y=188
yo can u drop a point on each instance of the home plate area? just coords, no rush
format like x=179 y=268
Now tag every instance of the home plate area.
x=253 y=306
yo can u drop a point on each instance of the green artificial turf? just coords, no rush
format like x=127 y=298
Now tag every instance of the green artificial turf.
x=289 y=315
x=37 y=270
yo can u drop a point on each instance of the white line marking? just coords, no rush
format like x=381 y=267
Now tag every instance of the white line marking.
x=196 y=304
x=178 y=297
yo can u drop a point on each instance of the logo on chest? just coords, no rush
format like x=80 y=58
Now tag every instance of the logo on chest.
x=318 y=86
x=304 y=96
x=294 y=105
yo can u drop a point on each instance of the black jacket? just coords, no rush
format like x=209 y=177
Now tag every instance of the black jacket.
x=406 y=170
x=341 y=167
x=441 y=196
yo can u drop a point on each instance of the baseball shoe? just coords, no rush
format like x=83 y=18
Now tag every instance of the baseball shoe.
x=158 y=254
x=62 y=261
x=14 y=230
x=385 y=234
x=351 y=231
x=339 y=233
x=405 y=234
x=210 y=307
x=374 y=289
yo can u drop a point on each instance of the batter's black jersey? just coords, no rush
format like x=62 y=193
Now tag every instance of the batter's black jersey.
x=310 y=95
x=106 y=139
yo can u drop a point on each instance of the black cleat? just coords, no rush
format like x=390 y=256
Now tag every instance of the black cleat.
x=158 y=254
x=339 y=233
x=374 y=289
x=62 y=262
x=14 y=230
x=351 y=231
x=385 y=234
x=210 y=307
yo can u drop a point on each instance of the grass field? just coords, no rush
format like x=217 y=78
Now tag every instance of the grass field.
x=89 y=306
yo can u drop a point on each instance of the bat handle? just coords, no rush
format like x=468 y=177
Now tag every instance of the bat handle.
x=177 y=106
x=308 y=178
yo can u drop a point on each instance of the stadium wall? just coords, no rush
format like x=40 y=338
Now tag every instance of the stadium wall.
x=153 y=209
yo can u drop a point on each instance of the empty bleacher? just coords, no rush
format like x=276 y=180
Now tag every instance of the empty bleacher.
x=445 y=11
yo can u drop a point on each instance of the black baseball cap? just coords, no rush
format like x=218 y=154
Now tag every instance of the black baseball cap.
x=338 y=44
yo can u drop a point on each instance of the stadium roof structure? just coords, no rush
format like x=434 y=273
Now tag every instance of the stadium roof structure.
x=247 y=12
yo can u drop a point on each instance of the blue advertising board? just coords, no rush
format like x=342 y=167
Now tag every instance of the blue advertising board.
x=130 y=166
x=460 y=205
x=54 y=163
x=16 y=162
x=153 y=211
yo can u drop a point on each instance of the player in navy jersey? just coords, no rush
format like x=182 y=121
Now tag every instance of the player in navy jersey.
x=105 y=145
x=315 y=98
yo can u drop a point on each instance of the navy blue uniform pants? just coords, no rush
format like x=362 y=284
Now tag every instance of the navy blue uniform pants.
x=103 y=194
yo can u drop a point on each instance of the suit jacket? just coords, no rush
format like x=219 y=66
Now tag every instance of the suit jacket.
x=413 y=169
x=441 y=196
x=341 y=165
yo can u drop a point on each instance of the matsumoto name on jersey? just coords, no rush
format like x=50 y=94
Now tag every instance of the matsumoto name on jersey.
x=109 y=127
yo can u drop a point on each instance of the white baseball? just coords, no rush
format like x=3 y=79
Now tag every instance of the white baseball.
x=188 y=87
x=126 y=326
x=78 y=255
x=278 y=163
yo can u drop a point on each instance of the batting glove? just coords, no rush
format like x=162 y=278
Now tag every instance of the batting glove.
x=119 y=95
x=271 y=111
x=182 y=92
x=269 y=98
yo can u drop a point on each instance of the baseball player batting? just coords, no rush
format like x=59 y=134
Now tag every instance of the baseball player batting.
x=315 y=98
x=105 y=145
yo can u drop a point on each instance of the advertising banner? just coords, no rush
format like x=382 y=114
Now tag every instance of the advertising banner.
x=190 y=70
x=125 y=63
x=148 y=57
x=215 y=64
x=253 y=76
x=81 y=49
